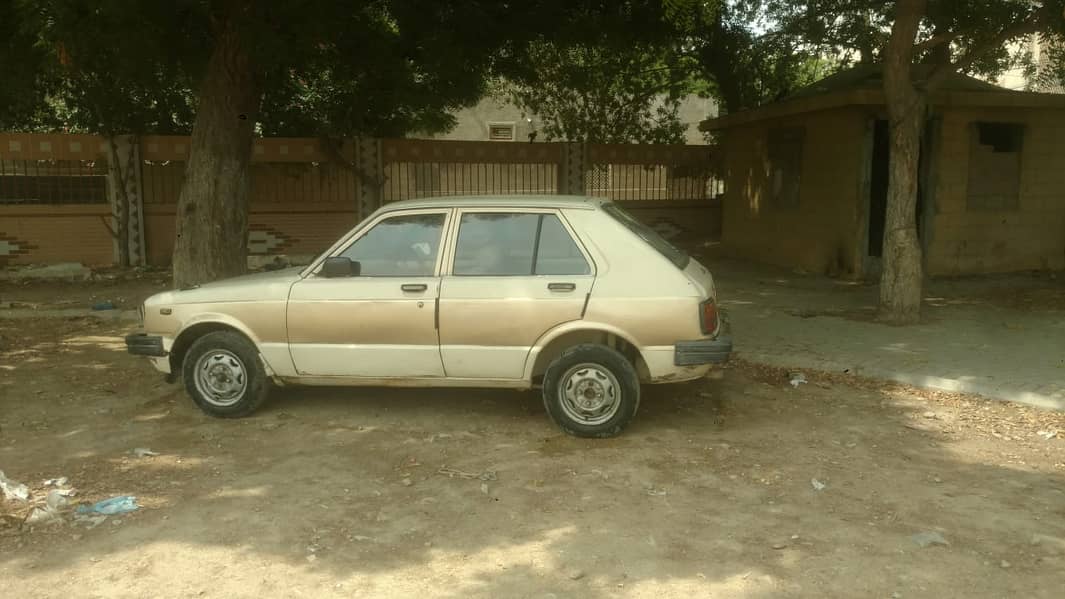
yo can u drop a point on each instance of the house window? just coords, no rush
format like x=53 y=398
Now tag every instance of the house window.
x=501 y=131
x=785 y=165
x=995 y=166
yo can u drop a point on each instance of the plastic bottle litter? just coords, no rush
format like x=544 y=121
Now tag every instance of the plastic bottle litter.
x=122 y=504
x=13 y=490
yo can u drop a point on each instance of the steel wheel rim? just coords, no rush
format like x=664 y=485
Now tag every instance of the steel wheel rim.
x=589 y=394
x=221 y=378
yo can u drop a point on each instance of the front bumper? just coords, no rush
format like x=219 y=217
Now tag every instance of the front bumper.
x=143 y=344
x=702 y=351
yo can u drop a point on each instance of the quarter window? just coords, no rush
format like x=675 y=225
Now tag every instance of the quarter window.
x=513 y=244
x=400 y=246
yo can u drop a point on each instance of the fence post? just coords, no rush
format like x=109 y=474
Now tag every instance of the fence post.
x=370 y=170
x=571 y=171
x=126 y=196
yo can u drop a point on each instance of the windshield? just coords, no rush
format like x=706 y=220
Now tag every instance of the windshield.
x=674 y=255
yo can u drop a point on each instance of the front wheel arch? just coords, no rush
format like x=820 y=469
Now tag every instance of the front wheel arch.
x=189 y=335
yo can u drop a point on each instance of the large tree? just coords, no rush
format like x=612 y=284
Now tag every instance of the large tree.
x=235 y=68
x=949 y=36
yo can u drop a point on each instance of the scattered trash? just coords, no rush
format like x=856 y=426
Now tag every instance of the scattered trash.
x=796 y=379
x=1005 y=565
x=56 y=482
x=56 y=499
x=484 y=488
x=929 y=538
x=780 y=545
x=487 y=475
x=1048 y=435
x=575 y=574
x=122 y=504
x=143 y=452
x=407 y=482
x=104 y=305
x=929 y=415
x=312 y=557
x=13 y=490
x=44 y=516
x=817 y=485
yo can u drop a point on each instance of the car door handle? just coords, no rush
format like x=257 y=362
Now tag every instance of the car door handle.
x=562 y=286
x=412 y=287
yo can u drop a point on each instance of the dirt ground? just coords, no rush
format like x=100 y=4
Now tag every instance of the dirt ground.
x=397 y=493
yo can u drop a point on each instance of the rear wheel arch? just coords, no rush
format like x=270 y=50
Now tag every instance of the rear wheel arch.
x=552 y=346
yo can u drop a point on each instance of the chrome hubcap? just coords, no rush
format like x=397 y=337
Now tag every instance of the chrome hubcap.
x=221 y=378
x=589 y=394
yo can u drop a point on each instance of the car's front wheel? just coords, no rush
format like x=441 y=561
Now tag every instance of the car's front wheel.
x=591 y=391
x=224 y=375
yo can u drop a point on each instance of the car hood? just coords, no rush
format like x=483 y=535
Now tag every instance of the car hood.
x=264 y=286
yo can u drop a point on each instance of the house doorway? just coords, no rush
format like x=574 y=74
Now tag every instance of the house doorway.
x=878 y=193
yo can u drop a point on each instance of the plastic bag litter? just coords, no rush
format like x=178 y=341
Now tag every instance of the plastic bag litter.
x=122 y=504
x=796 y=379
x=13 y=490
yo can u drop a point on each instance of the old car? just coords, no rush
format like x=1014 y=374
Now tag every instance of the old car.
x=569 y=294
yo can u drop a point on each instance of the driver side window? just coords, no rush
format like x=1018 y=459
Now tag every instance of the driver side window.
x=399 y=246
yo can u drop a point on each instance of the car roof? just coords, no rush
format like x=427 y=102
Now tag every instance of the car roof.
x=499 y=201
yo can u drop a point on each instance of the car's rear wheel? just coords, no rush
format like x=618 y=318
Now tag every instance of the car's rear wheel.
x=591 y=391
x=224 y=375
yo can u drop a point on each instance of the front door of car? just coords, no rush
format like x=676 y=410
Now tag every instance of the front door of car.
x=382 y=322
x=513 y=276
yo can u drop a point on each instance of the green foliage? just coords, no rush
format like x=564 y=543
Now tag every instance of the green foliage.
x=604 y=94
x=377 y=67
x=969 y=36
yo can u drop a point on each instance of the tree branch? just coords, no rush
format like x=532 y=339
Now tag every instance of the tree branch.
x=1031 y=25
x=935 y=40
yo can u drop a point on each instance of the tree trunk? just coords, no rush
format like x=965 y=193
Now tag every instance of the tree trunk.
x=212 y=213
x=900 y=283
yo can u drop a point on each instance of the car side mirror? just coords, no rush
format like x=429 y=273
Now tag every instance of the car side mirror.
x=339 y=266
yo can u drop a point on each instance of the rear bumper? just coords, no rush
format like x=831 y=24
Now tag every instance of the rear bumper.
x=702 y=351
x=143 y=344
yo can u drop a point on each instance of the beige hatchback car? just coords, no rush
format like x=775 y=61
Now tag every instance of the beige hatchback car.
x=570 y=294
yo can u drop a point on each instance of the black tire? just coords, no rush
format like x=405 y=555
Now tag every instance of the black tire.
x=235 y=359
x=600 y=369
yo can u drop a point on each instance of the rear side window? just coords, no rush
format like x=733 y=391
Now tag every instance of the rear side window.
x=515 y=244
x=674 y=255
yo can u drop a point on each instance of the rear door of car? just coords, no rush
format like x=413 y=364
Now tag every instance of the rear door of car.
x=511 y=276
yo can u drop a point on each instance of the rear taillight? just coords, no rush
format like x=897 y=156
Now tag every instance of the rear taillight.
x=708 y=316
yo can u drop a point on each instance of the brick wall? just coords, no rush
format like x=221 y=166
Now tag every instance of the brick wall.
x=49 y=234
x=1029 y=237
x=304 y=196
x=73 y=230
x=821 y=233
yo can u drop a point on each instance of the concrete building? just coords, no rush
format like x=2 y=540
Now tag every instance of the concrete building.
x=806 y=178
x=495 y=119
